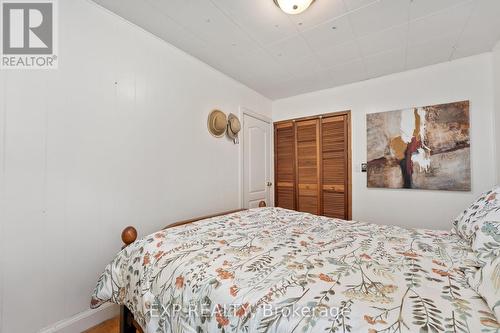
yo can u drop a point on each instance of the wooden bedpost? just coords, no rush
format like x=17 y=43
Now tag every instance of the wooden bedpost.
x=126 y=321
x=262 y=204
x=129 y=235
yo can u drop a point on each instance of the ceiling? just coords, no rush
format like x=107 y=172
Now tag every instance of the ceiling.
x=334 y=42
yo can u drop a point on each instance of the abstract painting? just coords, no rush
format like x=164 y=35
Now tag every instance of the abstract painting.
x=420 y=148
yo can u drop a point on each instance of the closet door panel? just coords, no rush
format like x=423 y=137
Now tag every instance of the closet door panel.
x=333 y=204
x=334 y=166
x=307 y=161
x=284 y=137
x=285 y=197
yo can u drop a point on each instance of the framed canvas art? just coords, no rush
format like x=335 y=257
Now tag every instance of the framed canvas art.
x=420 y=148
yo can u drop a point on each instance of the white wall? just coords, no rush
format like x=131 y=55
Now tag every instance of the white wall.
x=496 y=80
x=466 y=79
x=82 y=157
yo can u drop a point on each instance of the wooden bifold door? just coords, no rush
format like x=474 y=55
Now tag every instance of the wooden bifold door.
x=313 y=163
x=307 y=162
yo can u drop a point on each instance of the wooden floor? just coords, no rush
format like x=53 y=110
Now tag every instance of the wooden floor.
x=110 y=326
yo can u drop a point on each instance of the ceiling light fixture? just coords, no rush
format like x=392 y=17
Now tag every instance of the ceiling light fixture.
x=293 y=7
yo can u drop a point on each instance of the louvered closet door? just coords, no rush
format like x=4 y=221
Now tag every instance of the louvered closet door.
x=284 y=154
x=334 y=167
x=307 y=150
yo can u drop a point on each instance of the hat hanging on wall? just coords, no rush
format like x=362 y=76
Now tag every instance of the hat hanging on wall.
x=217 y=123
x=233 y=127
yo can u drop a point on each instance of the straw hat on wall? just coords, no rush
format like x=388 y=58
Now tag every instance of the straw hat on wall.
x=217 y=123
x=233 y=127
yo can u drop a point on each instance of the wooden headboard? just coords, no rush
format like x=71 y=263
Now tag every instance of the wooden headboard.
x=129 y=234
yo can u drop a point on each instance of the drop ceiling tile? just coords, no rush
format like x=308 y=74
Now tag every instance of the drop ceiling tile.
x=357 y=4
x=290 y=51
x=385 y=63
x=444 y=23
x=318 y=13
x=312 y=78
x=431 y=52
x=379 y=16
x=205 y=20
x=126 y=8
x=472 y=46
x=339 y=54
x=420 y=8
x=264 y=82
x=300 y=87
x=348 y=73
x=325 y=36
x=306 y=74
x=262 y=69
x=283 y=90
x=258 y=62
x=327 y=78
x=305 y=68
x=316 y=85
x=482 y=31
x=260 y=19
x=381 y=41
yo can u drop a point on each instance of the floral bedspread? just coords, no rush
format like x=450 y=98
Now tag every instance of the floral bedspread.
x=279 y=271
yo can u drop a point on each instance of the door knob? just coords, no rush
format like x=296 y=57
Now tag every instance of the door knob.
x=269 y=184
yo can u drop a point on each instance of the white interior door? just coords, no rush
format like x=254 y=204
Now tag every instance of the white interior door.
x=256 y=161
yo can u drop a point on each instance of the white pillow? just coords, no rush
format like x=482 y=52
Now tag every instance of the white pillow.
x=486 y=245
x=467 y=223
x=486 y=241
x=486 y=281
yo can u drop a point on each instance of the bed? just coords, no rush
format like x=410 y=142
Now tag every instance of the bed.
x=273 y=270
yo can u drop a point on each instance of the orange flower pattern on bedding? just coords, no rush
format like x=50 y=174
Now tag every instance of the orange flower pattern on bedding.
x=350 y=277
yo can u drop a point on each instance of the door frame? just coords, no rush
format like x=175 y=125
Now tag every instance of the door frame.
x=244 y=111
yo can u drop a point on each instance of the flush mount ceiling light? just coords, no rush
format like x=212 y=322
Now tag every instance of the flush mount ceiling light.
x=293 y=7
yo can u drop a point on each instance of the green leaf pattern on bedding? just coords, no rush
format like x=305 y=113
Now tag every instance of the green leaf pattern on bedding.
x=351 y=276
x=486 y=279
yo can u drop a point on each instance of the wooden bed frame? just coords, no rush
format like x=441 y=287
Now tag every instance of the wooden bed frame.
x=129 y=235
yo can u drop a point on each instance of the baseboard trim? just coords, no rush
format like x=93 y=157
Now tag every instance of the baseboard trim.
x=83 y=320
